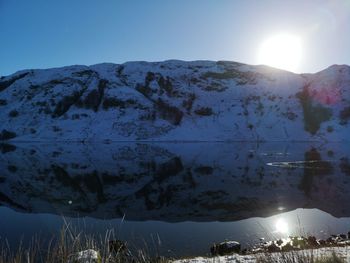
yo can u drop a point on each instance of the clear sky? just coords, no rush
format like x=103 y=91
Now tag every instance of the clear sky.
x=45 y=33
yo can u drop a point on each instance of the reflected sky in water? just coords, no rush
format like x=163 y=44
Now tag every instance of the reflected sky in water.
x=177 y=239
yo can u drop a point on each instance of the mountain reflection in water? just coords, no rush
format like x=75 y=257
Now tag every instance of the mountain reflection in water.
x=188 y=183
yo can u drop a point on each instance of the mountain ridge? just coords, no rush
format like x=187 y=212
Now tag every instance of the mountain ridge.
x=175 y=100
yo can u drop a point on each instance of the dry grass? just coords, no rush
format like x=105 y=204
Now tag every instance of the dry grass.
x=64 y=247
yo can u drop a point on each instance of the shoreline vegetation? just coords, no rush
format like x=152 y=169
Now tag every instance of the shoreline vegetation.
x=72 y=246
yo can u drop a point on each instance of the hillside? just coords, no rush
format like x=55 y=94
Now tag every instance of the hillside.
x=175 y=101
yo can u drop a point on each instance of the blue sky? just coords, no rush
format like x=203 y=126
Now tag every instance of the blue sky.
x=43 y=34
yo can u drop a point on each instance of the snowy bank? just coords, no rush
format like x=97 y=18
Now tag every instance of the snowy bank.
x=342 y=252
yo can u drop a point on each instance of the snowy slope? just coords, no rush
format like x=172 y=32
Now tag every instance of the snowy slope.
x=176 y=101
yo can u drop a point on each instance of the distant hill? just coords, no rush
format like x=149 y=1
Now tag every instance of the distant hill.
x=175 y=101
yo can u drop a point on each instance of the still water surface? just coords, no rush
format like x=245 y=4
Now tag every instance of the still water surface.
x=178 y=198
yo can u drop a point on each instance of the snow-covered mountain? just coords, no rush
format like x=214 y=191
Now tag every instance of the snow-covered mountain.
x=175 y=100
x=175 y=181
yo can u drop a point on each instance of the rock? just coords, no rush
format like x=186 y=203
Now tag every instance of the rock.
x=273 y=248
x=312 y=241
x=224 y=248
x=86 y=256
x=287 y=247
x=343 y=243
x=342 y=236
x=322 y=242
x=330 y=240
x=279 y=242
x=245 y=251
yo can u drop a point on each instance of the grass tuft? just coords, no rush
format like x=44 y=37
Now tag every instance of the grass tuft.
x=65 y=247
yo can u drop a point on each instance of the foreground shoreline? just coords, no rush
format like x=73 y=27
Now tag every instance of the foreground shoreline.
x=306 y=255
x=77 y=247
x=65 y=254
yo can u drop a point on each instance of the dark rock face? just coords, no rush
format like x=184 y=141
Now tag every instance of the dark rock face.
x=314 y=113
x=4 y=84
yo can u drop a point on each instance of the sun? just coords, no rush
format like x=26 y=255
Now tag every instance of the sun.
x=281 y=226
x=283 y=51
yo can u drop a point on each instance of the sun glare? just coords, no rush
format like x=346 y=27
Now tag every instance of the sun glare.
x=281 y=226
x=283 y=51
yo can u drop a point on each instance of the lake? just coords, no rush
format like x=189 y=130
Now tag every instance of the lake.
x=175 y=199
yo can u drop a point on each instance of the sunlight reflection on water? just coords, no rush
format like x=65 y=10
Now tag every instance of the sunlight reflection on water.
x=282 y=226
x=300 y=164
